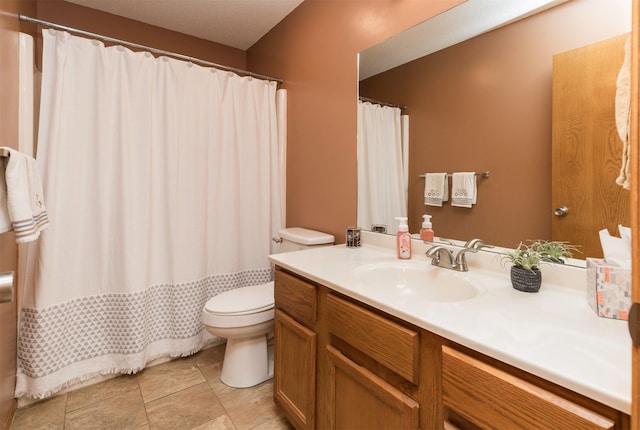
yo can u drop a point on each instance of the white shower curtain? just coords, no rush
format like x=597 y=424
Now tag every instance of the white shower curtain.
x=162 y=185
x=382 y=165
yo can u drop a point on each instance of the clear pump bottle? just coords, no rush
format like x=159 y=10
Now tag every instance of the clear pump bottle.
x=426 y=232
x=403 y=239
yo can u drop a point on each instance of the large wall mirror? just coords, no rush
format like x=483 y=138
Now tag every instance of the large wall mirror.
x=485 y=104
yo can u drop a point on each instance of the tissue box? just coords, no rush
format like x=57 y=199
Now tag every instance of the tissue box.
x=608 y=289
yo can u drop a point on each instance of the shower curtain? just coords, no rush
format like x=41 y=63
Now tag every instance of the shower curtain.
x=162 y=184
x=383 y=155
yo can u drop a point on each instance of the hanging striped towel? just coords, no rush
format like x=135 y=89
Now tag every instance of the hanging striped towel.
x=463 y=189
x=436 y=189
x=22 y=206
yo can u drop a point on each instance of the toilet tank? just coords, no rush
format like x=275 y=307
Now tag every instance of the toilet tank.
x=297 y=238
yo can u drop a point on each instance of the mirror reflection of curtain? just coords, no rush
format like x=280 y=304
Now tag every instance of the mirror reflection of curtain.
x=382 y=165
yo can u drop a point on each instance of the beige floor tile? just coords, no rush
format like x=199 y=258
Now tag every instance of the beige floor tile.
x=221 y=423
x=121 y=412
x=185 y=409
x=209 y=356
x=186 y=394
x=212 y=375
x=277 y=423
x=104 y=390
x=44 y=415
x=250 y=407
x=168 y=378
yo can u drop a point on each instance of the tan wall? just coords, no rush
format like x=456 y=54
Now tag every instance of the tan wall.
x=314 y=50
x=485 y=104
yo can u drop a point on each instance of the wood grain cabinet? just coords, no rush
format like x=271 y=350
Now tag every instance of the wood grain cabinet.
x=361 y=389
x=491 y=398
x=295 y=349
x=340 y=364
x=360 y=399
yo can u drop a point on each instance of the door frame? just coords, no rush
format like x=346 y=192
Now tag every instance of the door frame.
x=635 y=206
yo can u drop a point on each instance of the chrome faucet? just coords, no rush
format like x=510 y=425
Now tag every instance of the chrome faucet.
x=476 y=244
x=461 y=259
x=443 y=257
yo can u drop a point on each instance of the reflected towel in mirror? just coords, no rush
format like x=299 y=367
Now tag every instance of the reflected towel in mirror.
x=623 y=110
x=436 y=189
x=463 y=189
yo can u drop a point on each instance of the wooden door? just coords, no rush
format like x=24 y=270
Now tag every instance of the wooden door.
x=586 y=149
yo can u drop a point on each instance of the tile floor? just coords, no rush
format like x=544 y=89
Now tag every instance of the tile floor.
x=184 y=394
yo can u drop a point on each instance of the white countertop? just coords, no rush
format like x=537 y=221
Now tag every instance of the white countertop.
x=553 y=334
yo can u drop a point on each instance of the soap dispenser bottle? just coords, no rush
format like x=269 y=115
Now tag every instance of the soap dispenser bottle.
x=403 y=239
x=426 y=232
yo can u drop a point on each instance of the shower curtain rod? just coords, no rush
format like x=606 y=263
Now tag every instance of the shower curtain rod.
x=146 y=48
x=367 y=99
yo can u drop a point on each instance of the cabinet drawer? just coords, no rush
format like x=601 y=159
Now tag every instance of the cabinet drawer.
x=390 y=344
x=494 y=399
x=296 y=297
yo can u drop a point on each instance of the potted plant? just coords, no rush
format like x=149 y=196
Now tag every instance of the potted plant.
x=527 y=258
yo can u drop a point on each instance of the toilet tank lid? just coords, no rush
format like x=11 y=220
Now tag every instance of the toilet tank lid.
x=305 y=236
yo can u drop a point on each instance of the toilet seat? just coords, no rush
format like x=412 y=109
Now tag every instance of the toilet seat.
x=240 y=307
x=245 y=317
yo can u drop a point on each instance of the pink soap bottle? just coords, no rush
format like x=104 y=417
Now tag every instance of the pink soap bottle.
x=403 y=239
x=426 y=232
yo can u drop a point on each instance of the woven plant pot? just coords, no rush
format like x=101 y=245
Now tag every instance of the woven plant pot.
x=526 y=280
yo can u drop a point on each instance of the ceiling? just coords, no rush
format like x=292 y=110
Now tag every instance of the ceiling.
x=235 y=23
x=469 y=19
x=241 y=23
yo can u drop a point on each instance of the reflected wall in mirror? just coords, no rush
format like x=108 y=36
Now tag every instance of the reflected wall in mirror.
x=485 y=104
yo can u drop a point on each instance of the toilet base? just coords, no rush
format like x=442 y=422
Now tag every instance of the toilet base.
x=246 y=362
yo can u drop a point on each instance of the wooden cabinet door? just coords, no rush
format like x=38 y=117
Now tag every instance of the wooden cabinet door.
x=294 y=381
x=358 y=399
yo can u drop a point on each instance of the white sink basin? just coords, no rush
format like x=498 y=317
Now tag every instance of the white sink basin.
x=416 y=282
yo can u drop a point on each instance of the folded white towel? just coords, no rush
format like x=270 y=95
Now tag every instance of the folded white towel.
x=463 y=189
x=22 y=206
x=5 y=221
x=436 y=189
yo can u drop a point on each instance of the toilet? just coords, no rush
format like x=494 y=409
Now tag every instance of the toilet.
x=244 y=316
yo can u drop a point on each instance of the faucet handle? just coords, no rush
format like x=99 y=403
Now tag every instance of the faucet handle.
x=476 y=244
x=436 y=252
x=461 y=260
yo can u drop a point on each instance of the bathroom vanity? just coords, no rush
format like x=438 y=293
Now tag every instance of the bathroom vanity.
x=349 y=354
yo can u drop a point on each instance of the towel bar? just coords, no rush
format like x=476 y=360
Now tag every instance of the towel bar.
x=4 y=152
x=6 y=287
x=481 y=174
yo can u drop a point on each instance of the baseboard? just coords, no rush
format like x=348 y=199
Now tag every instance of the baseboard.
x=9 y=418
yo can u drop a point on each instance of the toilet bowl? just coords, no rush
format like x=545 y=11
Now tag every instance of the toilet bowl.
x=244 y=316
